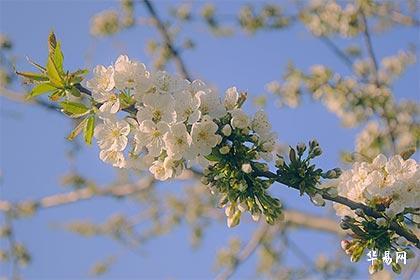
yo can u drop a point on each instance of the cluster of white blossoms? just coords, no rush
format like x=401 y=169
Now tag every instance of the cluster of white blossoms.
x=175 y=124
x=328 y=17
x=391 y=183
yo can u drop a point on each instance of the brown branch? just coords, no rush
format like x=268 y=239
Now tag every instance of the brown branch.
x=369 y=47
x=167 y=39
x=79 y=195
x=314 y=222
x=352 y=205
x=337 y=51
x=247 y=250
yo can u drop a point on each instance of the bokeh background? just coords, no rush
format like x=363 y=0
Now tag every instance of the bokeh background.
x=34 y=153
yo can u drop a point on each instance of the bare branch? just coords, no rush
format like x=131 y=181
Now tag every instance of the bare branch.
x=167 y=39
x=247 y=251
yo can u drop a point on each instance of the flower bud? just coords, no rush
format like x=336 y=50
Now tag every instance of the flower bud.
x=230 y=210
x=313 y=144
x=332 y=192
x=344 y=225
x=338 y=171
x=396 y=268
x=345 y=244
x=245 y=131
x=317 y=151
x=246 y=167
x=359 y=212
x=224 y=150
x=292 y=154
x=242 y=207
x=279 y=162
x=301 y=147
x=242 y=186
x=256 y=216
x=357 y=253
x=254 y=138
x=227 y=130
x=317 y=200
x=410 y=253
x=204 y=180
x=381 y=222
x=330 y=174
x=234 y=220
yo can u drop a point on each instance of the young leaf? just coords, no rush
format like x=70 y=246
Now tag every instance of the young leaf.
x=89 y=129
x=58 y=58
x=33 y=76
x=76 y=131
x=41 y=89
x=53 y=73
x=52 y=42
x=74 y=109
x=75 y=92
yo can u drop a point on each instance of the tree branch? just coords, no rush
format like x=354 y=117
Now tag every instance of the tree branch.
x=167 y=39
x=78 y=195
x=352 y=205
x=247 y=250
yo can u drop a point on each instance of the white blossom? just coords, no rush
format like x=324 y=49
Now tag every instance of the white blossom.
x=157 y=107
x=150 y=135
x=187 y=107
x=204 y=136
x=239 y=119
x=112 y=135
x=129 y=74
x=210 y=104
x=116 y=158
x=177 y=141
x=231 y=98
x=103 y=79
x=159 y=171
x=395 y=180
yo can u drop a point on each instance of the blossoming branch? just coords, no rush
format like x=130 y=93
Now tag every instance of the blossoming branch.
x=151 y=120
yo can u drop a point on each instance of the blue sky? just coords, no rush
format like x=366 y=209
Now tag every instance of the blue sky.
x=33 y=144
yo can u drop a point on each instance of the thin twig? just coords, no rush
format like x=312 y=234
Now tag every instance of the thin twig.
x=167 y=39
x=247 y=251
x=330 y=44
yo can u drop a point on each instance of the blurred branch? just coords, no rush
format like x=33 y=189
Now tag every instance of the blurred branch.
x=331 y=45
x=15 y=275
x=369 y=46
x=247 y=251
x=78 y=195
x=167 y=39
x=20 y=98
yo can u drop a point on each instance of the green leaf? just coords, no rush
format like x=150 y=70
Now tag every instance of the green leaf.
x=89 y=129
x=41 y=89
x=81 y=72
x=74 y=109
x=76 y=131
x=58 y=58
x=75 y=92
x=53 y=73
x=33 y=76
